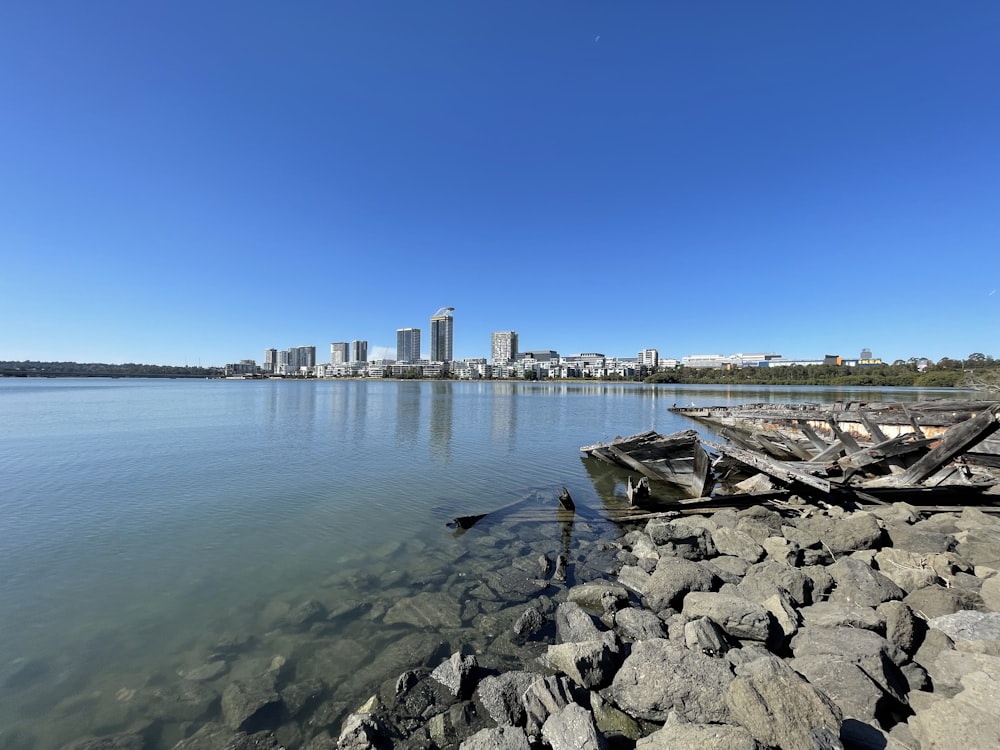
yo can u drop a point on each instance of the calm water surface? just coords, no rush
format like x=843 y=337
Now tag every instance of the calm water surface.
x=144 y=519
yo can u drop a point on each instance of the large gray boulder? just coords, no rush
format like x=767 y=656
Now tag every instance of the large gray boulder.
x=362 y=731
x=780 y=708
x=936 y=601
x=737 y=543
x=498 y=738
x=572 y=728
x=905 y=537
x=573 y=625
x=680 y=539
x=501 y=695
x=738 y=617
x=661 y=676
x=846 y=684
x=668 y=584
x=879 y=659
x=597 y=595
x=908 y=570
x=968 y=627
x=842 y=536
x=969 y=721
x=980 y=545
x=590 y=664
x=545 y=697
x=766 y=578
x=839 y=614
x=705 y=637
x=950 y=667
x=636 y=624
x=861 y=585
x=759 y=522
x=457 y=674
x=990 y=593
x=903 y=629
x=676 y=734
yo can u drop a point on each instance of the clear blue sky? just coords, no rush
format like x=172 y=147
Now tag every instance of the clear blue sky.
x=185 y=182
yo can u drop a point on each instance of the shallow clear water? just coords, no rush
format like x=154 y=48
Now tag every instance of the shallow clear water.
x=145 y=520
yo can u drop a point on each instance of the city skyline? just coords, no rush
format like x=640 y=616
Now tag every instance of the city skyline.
x=785 y=177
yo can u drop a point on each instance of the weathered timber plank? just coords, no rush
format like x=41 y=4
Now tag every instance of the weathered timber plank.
x=778 y=450
x=956 y=440
x=630 y=462
x=832 y=451
x=850 y=444
x=893 y=447
x=873 y=429
x=782 y=472
x=819 y=443
x=625 y=443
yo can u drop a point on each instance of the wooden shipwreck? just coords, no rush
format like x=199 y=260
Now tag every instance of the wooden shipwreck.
x=679 y=460
x=933 y=454
x=863 y=450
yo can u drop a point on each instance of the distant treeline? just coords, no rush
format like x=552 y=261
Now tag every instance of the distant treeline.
x=100 y=370
x=877 y=376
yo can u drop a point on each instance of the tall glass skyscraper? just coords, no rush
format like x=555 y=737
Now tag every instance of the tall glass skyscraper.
x=442 y=335
x=407 y=344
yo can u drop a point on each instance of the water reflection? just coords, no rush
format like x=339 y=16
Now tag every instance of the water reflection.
x=503 y=415
x=442 y=398
x=407 y=413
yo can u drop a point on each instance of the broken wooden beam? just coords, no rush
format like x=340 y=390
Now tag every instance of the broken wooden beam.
x=784 y=473
x=955 y=441
x=891 y=448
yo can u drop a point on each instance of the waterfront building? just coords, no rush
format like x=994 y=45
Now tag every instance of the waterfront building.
x=339 y=353
x=301 y=360
x=407 y=344
x=503 y=347
x=245 y=368
x=270 y=360
x=359 y=351
x=649 y=359
x=716 y=361
x=442 y=335
x=471 y=368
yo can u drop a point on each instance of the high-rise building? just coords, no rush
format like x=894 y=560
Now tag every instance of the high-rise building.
x=270 y=360
x=359 y=351
x=503 y=348
x=407 y=344
x=650 y=359
x=339 y=353
x=301 y=357
x=442 y=335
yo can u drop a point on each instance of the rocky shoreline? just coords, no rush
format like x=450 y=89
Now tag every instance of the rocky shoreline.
x=801 y=628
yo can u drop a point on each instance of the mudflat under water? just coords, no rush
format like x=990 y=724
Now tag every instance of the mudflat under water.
x=161 y=538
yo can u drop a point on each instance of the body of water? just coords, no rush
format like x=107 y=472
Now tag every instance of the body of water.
x=161 y=538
